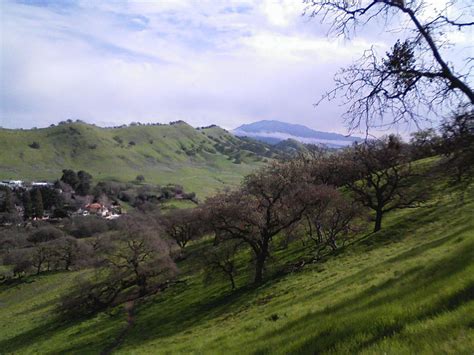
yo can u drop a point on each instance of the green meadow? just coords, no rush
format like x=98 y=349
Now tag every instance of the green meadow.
x=407 y=289
x=163 y=154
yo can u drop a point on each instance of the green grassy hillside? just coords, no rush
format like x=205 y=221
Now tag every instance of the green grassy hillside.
x=175 y=153
x=408 y=289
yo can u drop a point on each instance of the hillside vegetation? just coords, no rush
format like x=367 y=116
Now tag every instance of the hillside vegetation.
x=408 y=288
x=202 y=160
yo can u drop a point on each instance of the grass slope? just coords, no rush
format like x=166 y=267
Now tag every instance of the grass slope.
x=175 y=153
x=406 y=289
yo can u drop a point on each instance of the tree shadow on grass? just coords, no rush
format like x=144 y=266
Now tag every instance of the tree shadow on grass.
x=12 y=283
x=180 y=319
x=31 y=336
x=53 y=326
x=185 y=316
x=367 y=318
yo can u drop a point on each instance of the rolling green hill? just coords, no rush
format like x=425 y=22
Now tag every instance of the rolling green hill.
x=407 y=289
x=202 y=160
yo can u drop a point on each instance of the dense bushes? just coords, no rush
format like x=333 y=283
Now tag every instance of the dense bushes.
x=86 y=226
x=45 y=234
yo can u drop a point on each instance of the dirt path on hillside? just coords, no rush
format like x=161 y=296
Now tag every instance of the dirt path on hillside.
x=130 y=314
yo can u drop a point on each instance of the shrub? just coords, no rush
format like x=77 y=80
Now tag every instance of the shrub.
x=20 y=260
x=83 y=227
x=118 y=139
x=45 y=234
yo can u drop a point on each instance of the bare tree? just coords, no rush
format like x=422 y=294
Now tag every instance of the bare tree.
x=425 y=143
x=269 y=202
x=219 y=259
x=458 y=145
x=182 y=225
x=135 y=258
x=414 y=78
x=20 y=260
x=41 y=255
x=380 y=176
x=138 y=253
x=324 y=168
x=68 y=251
x=332 y=221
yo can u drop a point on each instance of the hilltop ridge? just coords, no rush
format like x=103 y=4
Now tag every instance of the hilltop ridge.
x=202 y=159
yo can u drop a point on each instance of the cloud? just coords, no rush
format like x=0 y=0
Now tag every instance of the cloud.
x=223 y=62
x=283 y=12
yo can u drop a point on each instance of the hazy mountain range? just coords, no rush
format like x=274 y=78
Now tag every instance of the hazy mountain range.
x=272 y=132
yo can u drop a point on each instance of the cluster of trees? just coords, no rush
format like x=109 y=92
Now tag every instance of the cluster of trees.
x=130 y=256
x=45 y=248
x=237 y=148
x=75 y=189
x=132 y=262
x=141 y=196
x=33 y=203
x=455 y=142
x=320 y=198
x=81 y=181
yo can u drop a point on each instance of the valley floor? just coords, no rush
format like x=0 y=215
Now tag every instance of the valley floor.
x=406 y=289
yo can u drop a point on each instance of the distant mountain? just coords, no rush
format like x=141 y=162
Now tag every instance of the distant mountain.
x=273 y=132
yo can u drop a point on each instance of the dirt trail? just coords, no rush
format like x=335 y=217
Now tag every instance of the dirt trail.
x=129 y=310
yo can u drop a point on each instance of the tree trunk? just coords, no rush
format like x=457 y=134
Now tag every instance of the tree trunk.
x=259 y=265
x=142 y=286
x=231 y=277
x=378 y=220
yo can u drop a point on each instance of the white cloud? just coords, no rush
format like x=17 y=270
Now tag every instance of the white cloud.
x=302 y=48
x=282 y=12
x=223 y=62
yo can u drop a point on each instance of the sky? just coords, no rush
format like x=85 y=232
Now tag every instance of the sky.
x=205 y=62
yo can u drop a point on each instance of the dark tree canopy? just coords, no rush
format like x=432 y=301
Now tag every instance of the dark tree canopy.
x=7 y=203
x=80 y=181
x=70 y=177
x=84 y=185
x=38 y=208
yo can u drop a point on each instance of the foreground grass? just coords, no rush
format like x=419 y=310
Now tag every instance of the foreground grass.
x=406 y=289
